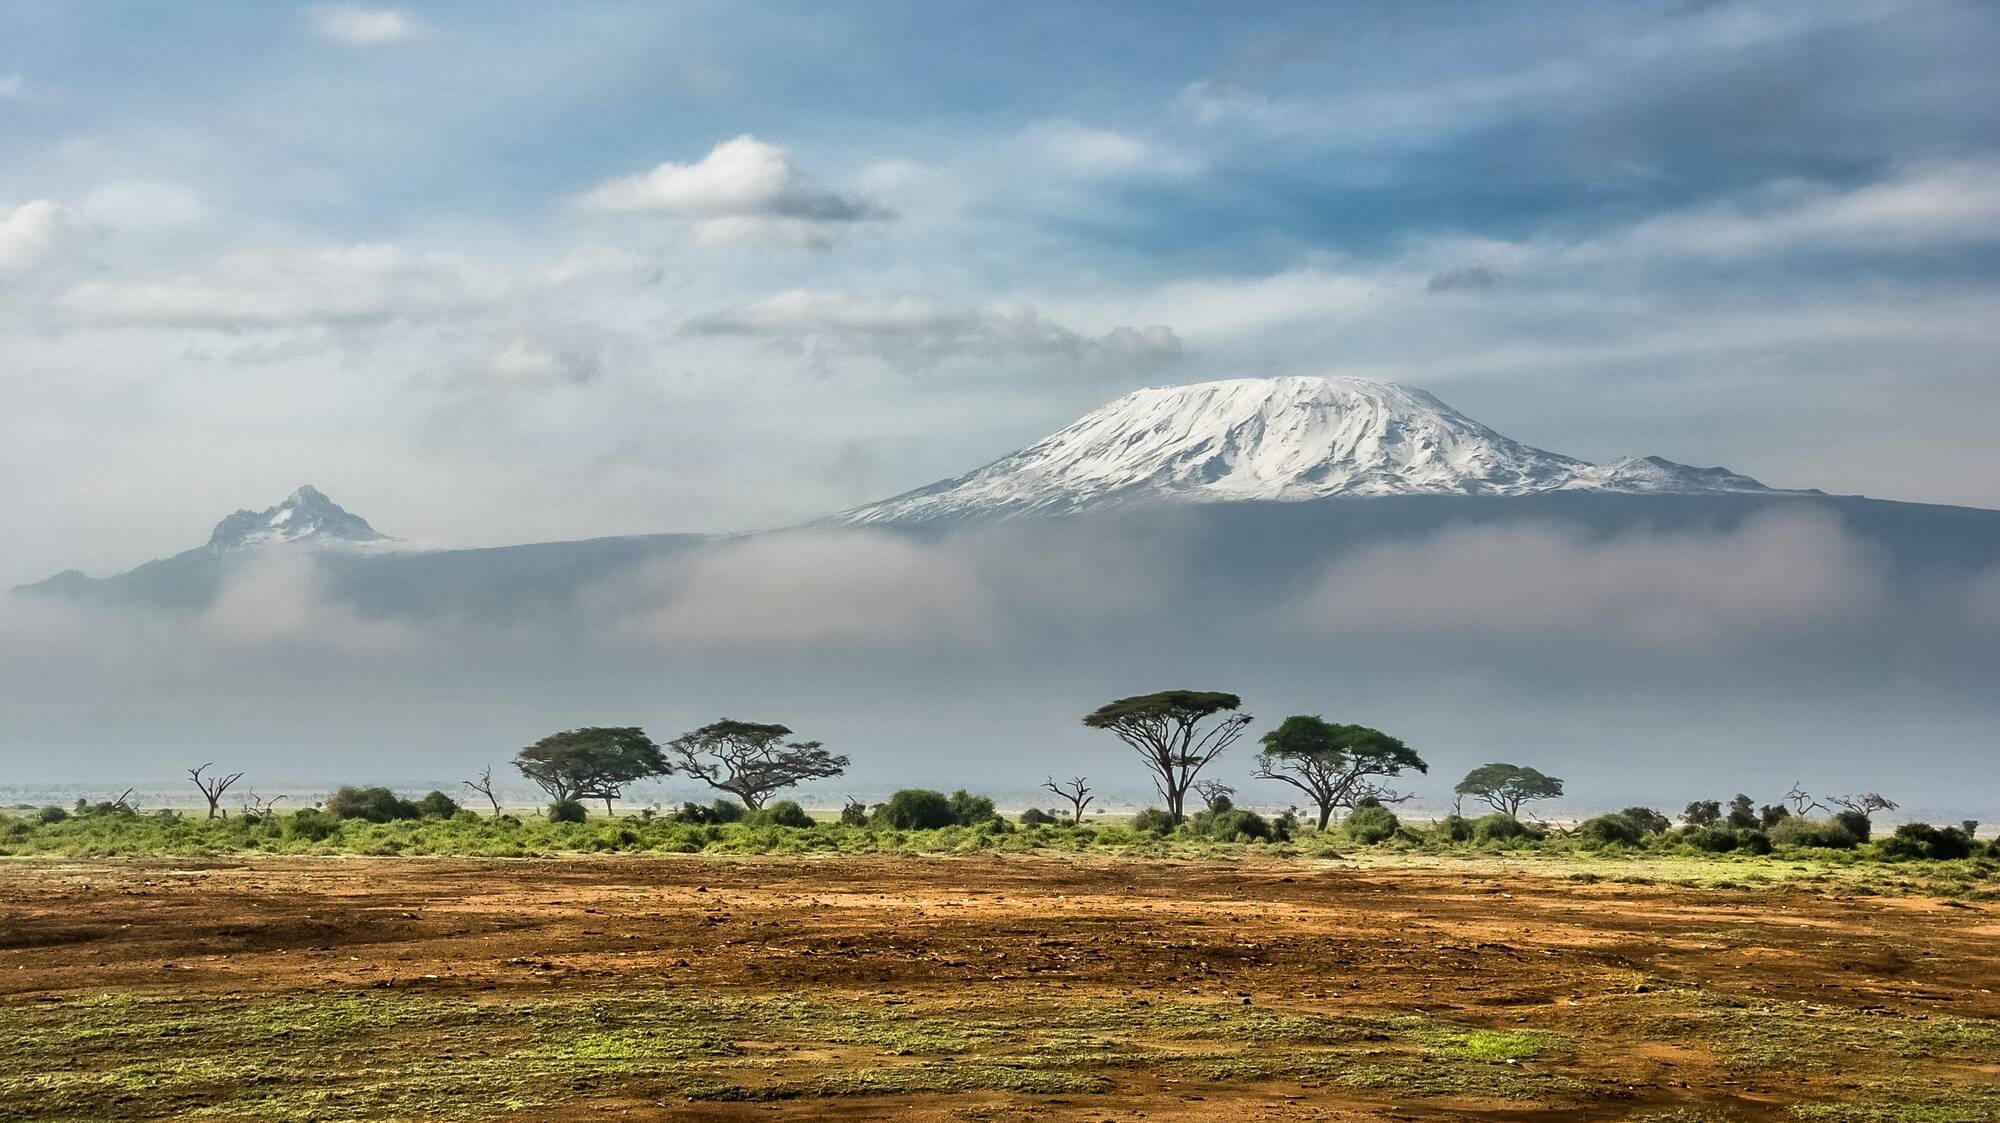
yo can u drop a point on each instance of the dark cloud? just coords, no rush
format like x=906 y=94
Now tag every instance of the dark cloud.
x=1463 y=277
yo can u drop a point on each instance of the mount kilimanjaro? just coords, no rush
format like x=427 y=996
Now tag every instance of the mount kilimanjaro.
x=1270 y=478
x=1282 y=439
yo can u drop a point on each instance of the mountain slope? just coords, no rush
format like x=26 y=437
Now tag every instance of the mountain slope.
x=1284 y=439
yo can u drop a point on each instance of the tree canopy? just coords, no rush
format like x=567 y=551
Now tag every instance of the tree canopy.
x=1174 y=735
x=1506 y=787
x=750 y=760
x=593 y=762
x=1335 y=765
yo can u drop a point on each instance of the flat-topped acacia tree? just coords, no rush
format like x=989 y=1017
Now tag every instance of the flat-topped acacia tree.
x=1507 y=787
x=751 y=760
x=590 y=763
x=1176 y=733
x=1334 y=764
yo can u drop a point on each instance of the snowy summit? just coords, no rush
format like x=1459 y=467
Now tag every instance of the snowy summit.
x=1294 y=438
x=306 y=516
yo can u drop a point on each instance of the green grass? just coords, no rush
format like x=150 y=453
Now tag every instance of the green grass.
x=375 y=1056
x=1662 y=860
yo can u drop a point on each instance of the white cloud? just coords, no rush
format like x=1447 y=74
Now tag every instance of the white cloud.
x=1079 y=148
x=357 y=26
x=143 y=205
x=330 y=286
x=1218 y=306
x=801 y=591
x=1396 y=118
x=744 y=190
x=1938 y=204
x=1682 y=592
x=915 y=332
x=13 y=85
x=28 y=232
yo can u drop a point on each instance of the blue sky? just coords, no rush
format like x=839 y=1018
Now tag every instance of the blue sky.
x=491 y=272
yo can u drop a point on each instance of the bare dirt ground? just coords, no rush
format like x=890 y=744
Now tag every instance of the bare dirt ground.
x=979 y=988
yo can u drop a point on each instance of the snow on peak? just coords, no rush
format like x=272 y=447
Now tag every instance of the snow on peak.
x=306 y=515
x=1291 y=438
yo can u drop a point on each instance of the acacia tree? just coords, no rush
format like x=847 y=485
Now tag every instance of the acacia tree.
x=1507 y=787
x=750 y=760
x=1176 y=733
x=1076 y=792
x=1334 y=765
x=211 y=787
x=593 y=762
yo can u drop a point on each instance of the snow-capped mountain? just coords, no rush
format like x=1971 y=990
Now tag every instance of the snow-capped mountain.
x=1292 y=438
x=306 y=516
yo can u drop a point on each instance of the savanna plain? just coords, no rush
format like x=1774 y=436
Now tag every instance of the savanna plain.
x=1230 y=982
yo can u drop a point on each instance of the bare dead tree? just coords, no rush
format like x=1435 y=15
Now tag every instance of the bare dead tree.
x=212 y=787
x=1213 y=791
x=254 y=804
x=1073 y=790
x=484 y=786
x=1865 y=804
x=1802 y=802
x=1368 y=789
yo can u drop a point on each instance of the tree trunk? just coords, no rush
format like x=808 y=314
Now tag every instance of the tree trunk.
x=1325 y=815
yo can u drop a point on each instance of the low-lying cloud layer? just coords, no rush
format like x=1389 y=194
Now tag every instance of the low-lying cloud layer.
x=967 y=658
x=1777 y=576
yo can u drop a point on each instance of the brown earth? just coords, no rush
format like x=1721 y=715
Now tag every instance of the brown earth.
x=1658 y=999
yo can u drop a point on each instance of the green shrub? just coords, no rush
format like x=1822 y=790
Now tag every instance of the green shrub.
x=1857 y=824
x=1454 y=828
x=1648 y=820
x=692 y=813
x=437 y=805
x=51 y=814
x=1702 y=813
x=1750 y=840
x=567 y=811
x=1823 y=833
x=915 y=809
x=1714 y=840
x=784 y=813
x=375 y=805
x=1230 y=824
x=854 y=813
x=1610 y=830
x=1036 y=817
x=968 y=810
x=308 y=826
x=1370 y=822
x=1153 y=821
x=1921 y=840
x=1501 y=828
x=727 y=811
